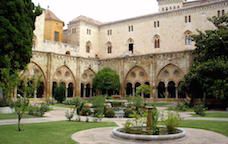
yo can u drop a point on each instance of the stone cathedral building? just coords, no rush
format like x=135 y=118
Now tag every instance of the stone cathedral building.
x=152 y=49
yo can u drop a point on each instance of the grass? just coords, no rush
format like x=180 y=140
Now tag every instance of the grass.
x=13 y=116
x=63 y=105
x=216 y=126
x=161 y=104
x=214 y=114
x=46 y=133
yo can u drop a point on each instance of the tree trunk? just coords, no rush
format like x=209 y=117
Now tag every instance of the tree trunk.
x=19 y=122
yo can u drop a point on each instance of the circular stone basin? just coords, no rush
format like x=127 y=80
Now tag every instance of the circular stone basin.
x=116 y=132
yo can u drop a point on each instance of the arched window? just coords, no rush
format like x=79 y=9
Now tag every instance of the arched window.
x=109 y=47
x=188 y=38
x=161 y=90
x=171 y=89
x=156 y=41
x=88 y=46
x=131 y=45
x=70 y=90
x=129 y=91
x=68 y=53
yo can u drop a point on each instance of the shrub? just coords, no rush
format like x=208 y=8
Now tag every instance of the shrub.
x=109 y=113
x=182 y=107
x=137 y=102
x=116 y=103
x=51 y=101
x=98 y=101
x=199 y=110
x=44 y=107
x=172 y=122
x=128 y=112
x=155 y=116
x=38 y=110
x=76 y=101
x=69 y=114
x=85 y=111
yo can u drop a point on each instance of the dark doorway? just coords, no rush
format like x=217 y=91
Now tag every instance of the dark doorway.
x=146 y=95
x=161 y=90
x=54 y=86
x=88 y=90
x=40 y=90
x=171 y=90
x=129 y=91
x=82 y=90
x=70 y=90
x=137 y=85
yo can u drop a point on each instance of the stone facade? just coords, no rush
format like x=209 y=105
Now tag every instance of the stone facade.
x=152 y=49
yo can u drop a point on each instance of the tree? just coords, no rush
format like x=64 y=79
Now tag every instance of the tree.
x=20 y=105
x=208 y=76
x=143 y=89
x=107 y=81
x=59 y=93
x=17 y=22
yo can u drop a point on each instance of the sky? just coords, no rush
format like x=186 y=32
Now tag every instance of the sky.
x=101 y=10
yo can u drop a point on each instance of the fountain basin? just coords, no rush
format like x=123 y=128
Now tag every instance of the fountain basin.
x=117 y=132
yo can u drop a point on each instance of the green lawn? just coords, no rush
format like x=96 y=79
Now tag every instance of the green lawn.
x=46 y=133
x=13 y=116
x=216 y=126
x=214 y=114
x=63 y=105
x=161 y=104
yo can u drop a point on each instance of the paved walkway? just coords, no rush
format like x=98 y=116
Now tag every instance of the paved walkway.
x=58 y=114
x=104 y=136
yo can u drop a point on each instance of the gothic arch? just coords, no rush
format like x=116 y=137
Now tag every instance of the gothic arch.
x=87 y=83
x=136 y=74
x=170 y=72
x=87 y=76
x=34 y=75
x=64 y=74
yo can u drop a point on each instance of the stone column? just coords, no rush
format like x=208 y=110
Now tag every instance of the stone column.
x=77 y=89
x=91 y=92
x=166 y=92
x=66 y=91
x=84 y=91
x=48 y=80
x=34 y=94
x=133 y=91
x=176 y=92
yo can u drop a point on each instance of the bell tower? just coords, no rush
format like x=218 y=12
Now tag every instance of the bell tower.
x=169 y=5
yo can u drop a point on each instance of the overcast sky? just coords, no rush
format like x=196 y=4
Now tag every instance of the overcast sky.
x=101 y=10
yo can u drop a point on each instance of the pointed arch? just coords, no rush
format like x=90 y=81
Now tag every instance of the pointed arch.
x=34 y=75
x=170 y=72
x=64 y=74
x=136 y=73
x=87 y=89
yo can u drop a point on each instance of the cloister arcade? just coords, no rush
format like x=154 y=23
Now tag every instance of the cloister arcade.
x=87 y=83
x=63 y=76
x=164 y=86
x=34 y=78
